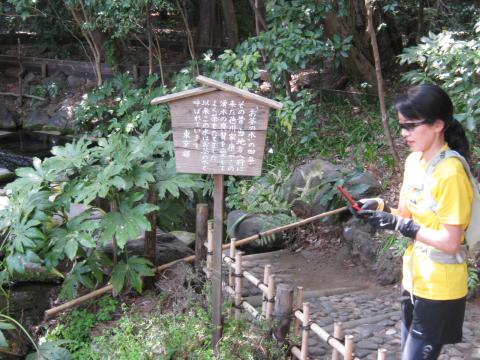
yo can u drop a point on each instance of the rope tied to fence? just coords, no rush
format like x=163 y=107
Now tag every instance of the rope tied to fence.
x=330 y=337
x=271 y=300
x=306 y=327
x=260 y=283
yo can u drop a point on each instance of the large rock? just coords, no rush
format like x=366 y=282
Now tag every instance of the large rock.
x=359 y=236
x=188 y=238
x=7 y=119
x=55 y=82
x=241 y=225
x=62 y=116
x=75 y=81
x=37 y=274
x=310 y=183
x=169 y=248
x=367 y=184
x=368 y=251
x=36 y=119
x=307 y=176
x=388 y=268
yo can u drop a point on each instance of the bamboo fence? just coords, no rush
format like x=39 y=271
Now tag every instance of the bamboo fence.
x=342 y=345
x=303 y=326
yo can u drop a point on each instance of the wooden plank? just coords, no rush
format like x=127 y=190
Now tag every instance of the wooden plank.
x=243 y=93
x=217 y=261
x=182 y=95
x=74 y=67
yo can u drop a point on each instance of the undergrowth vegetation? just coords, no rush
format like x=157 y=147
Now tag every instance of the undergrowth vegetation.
x=163 y=332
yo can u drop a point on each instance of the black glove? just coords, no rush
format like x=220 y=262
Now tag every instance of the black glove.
x=384 y=220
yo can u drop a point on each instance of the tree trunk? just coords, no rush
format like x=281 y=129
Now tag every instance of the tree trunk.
x=360 y=63
x=150 y=42
x=230 y=23
x=421 y=20
x=207 y=22
x=381 y=92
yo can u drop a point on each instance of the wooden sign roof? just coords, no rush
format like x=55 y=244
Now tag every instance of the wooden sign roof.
x=214 y=85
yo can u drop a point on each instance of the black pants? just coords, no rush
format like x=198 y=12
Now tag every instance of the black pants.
x=418 y=349
x=429 y=324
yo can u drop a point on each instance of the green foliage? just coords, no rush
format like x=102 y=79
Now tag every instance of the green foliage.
x=294 y=40
x=293 y=131
x=48 y=350
x=75 y=328
x=260 y=195
x=451 y=59
x=182 y=334
x=131 y=154
x=130 y=272
x=473 y=278
x=395 y=243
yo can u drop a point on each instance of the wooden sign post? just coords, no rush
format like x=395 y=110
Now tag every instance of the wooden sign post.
x=220 y=130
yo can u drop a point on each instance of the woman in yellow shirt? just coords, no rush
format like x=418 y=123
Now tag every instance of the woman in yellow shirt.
x=434 y=210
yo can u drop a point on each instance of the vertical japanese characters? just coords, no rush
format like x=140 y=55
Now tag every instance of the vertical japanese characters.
x=220 y=133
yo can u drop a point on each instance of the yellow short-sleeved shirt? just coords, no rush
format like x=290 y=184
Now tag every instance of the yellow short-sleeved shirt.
x=451 y=189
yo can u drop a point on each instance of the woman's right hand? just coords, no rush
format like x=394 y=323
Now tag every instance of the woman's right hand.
x=375 y=204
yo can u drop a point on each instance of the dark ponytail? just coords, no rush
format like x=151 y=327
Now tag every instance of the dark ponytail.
x=429 y=103
x=456 y=138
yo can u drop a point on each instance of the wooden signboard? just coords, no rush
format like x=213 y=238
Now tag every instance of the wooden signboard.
x=218 y=129
x=219 y=133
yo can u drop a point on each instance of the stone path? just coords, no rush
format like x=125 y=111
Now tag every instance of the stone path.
x=371 y=314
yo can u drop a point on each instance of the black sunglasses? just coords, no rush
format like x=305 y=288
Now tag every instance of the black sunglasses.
x=411 y=125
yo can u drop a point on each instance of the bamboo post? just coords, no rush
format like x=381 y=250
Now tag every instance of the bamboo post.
x=348 y=347
x=338 y=334
x=305 y=329
x=270 y=297
x=231 y=281
x=382 y=354
x=266 y=274
x=231 y=271
x=44 y=70
x=201 y=231
x=135 y=72
x=209 y=249
x=238 y=284
x=298 y=305
x=150 y=237
x=282 y=312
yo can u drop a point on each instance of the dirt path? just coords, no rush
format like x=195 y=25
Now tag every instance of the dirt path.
x=313 y=269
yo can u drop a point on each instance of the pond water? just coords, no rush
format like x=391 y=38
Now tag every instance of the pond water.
x=27 y=302
x=19 y=147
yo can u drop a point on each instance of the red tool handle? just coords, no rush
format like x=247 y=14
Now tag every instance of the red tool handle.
x=348 y=197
